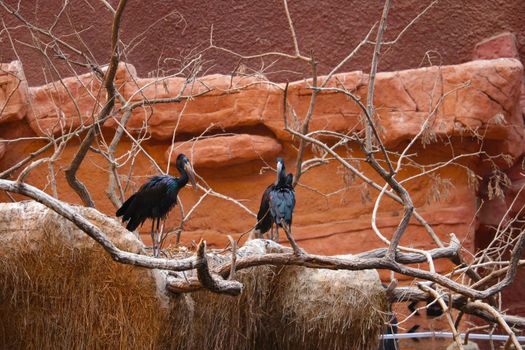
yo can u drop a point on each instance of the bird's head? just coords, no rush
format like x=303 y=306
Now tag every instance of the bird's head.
x=183 y=163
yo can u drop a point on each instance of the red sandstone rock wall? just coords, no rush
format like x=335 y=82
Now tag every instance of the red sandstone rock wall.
x=333 y=212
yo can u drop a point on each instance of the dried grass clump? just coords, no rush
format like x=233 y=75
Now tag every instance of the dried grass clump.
x=224 y=322
x=326 y=309
x=291 y=308
x=59 y=290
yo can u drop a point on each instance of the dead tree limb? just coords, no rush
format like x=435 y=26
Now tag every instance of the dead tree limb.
x=457 y=301
x=183 y=285
x=94 y=232
x=446 y=311
x=371 y=87
x=214 y=283
x=503 y=324
x=71 y=171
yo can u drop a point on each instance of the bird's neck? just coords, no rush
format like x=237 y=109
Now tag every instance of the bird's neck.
x=183 y=179
x=281 y=178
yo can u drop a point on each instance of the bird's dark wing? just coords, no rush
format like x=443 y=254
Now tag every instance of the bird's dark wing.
x=152 y=200
x=289 y=180
x=264 y=218
x=282 y=203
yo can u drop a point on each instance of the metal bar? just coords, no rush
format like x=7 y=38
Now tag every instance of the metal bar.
x=477 y=336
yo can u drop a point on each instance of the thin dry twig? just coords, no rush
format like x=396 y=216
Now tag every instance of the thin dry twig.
x=233 y=245
x=501 y=322
x=446 y=311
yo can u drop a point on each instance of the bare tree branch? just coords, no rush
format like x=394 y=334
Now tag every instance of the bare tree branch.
x=94 y=232
x=500 y=320
x=214 y=283
x=404 y=294
x=446 y=311
x=75 y=184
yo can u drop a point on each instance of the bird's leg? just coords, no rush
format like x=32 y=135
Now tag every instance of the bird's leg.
x=153 y=236
x=159 y=236
x=295 y=247
x=160 y=228
x=276 y=237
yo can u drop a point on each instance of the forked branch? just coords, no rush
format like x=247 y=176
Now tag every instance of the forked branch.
x=71 y=172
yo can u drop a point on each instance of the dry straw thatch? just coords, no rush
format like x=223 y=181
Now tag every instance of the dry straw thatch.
x=59 y=290
x=327 y=309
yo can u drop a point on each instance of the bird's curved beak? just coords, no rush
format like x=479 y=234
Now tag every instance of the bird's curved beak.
x=191 y=174
x=278 y=172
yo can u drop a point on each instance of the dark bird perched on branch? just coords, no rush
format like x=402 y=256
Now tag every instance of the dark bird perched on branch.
x=433 y=309
x=156 y=198
x=264 y=217
x=277 y=204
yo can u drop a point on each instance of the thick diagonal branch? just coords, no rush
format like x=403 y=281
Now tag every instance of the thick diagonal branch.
x=95 y=233
x=71 y=171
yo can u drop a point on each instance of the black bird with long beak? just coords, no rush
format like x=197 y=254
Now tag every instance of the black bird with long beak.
x=264 y=217
x=277 y=205
x=156 y=198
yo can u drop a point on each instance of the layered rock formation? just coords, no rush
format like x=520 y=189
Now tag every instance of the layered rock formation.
x=221 y=151
x=62 y=106
x=462 y=106
x=13 y=92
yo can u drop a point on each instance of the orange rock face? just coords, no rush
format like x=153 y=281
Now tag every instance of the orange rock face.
x=224 y=106
x=226 y=150
x=499 y=46
x=65 y=105
x=479 y=95
x=13 y=92
x=449 y=107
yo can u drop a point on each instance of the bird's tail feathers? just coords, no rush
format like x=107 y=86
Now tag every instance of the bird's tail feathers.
x=124 y=208
x=133 y=223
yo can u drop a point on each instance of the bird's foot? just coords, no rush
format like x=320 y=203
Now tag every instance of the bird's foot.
x=298 y=251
